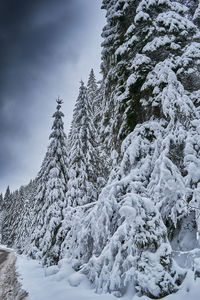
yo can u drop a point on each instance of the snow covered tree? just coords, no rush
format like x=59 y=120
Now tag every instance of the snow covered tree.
x=15 y=212
x=83 y=160
x=86 y=173
x=95 y=95
x=92 y=88
x=123 y=237
x=113 y=34
x=154 y=68
x=16 y=216
x=151 y=39
x=6 y=214
x=12 y=208
x=7 y=196
x=22 y=223
x=51 y=193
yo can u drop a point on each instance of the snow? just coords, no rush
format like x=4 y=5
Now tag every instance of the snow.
x=59 y=286
x=67 y=284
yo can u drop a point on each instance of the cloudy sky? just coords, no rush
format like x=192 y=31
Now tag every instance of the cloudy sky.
x=47 y=47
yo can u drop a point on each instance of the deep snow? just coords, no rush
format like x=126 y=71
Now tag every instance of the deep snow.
x=44 y=284
x=54 y=283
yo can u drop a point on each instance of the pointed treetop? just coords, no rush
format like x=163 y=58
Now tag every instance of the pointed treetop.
x=92 y=85
x=92 y=72
x=59 y=101
x=7 y=193
x=81 y=82
x=8 y=190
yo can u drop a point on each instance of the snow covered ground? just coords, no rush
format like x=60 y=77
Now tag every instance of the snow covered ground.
x=62 y=283
x=53 y=283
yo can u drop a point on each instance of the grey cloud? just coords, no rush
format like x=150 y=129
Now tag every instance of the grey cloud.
x=36 y=38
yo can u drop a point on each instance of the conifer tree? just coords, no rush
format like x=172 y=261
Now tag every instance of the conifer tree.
x=6 y=207
x=7 y=196
x=155 y=66
x=92 y=87
x=113 y=71
x=83 y=171
x=128 y=239
x=22 y=224
x=15 y=212
x=51 y=193
x=95 y=97
x=1 y=199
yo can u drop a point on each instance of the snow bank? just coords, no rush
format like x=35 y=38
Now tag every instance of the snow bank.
x=63 y=284
x=57 y=286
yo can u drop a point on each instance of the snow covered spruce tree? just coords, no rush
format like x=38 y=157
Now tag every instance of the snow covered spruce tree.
x=83 y=159
x=16 y=211
x=22 y=223
x=92 y=88
x=85 y=169
x=6 y=216
x=113 y=33
x=155 y=61
x=51 y=195
x=127 y=237
x=16 y=216
x=95 y=96
x=1 y=200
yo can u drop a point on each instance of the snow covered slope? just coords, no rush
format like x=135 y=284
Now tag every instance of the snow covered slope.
x=62 y=283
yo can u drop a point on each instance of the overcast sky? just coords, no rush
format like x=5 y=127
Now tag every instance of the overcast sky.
x=46 y=48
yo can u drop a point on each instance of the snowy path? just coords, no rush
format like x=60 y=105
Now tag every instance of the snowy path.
x=10 y=288
x=3 y=257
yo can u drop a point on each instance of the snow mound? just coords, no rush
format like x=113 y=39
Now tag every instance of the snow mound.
x=75 y=279
x=51 y=270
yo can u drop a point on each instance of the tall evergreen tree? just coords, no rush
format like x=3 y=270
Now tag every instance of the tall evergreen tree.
x=127 y=239
x=83 y=160
x=92 y=87
x=1 y=199
x=6 y=214
x=50 y=198
x=7 y=196
x=154 y=66
x=85 y=171
x=22 y=223
x=113 y=71
x=95 y=96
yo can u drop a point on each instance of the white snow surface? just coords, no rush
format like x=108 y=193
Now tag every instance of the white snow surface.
x=65 y=284
x=62 y=283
